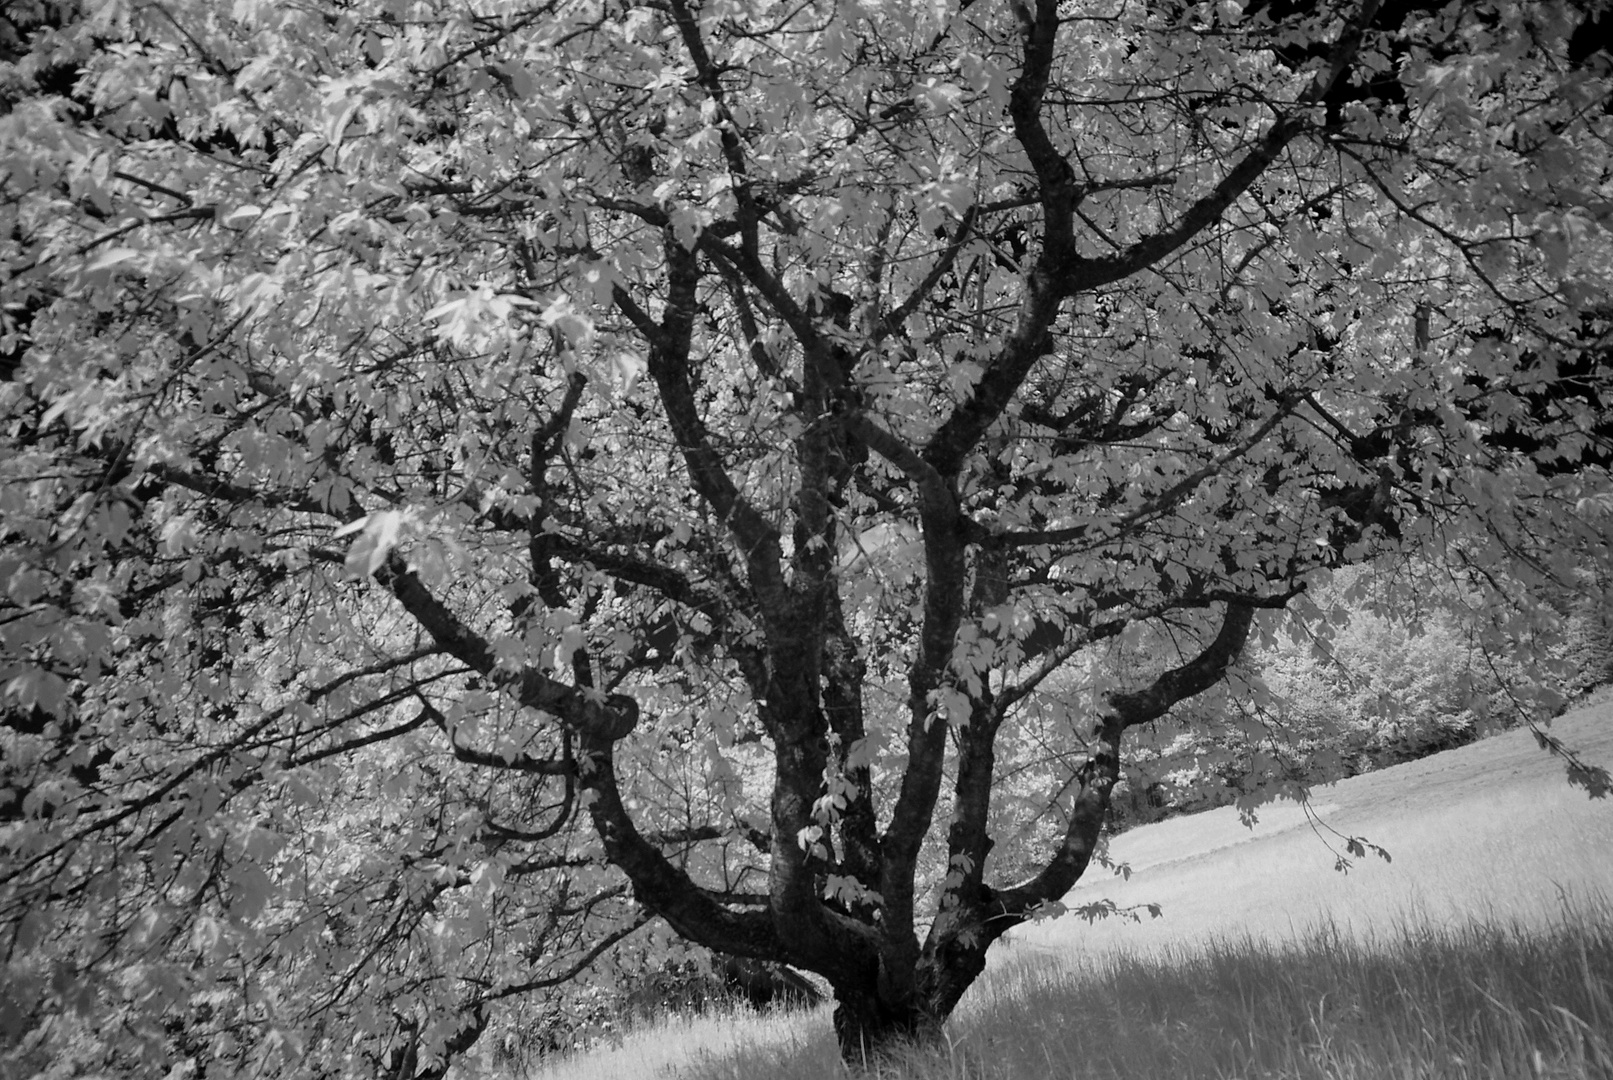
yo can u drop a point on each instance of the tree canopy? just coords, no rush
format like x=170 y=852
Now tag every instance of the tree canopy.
x=478 y=477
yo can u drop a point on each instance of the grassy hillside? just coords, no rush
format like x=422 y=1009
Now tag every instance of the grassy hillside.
x=1484 y=949
x=1490 y=829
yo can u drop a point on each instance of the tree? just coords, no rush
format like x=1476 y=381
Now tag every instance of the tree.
x=734 y=420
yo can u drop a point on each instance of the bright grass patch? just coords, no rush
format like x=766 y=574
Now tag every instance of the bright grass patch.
x=1485 y=1000
x=670 y=1047
x=1490 y=832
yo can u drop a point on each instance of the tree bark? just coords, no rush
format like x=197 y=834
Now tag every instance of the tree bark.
x=867 y=1028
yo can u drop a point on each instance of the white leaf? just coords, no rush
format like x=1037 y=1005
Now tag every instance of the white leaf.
x=112 y=257
x=378 y=535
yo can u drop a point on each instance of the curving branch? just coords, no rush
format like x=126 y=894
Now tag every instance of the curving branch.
x=1134 y=707
x=1123 y=709
x=663 y=887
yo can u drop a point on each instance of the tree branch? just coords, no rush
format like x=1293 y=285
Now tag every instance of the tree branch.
x=892 y=323
x=1059 y=272
x=588 y=712
x=670 y=343
x=1123 y=709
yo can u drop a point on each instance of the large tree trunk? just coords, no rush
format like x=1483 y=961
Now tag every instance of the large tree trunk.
x=878 y=1012
x=867 y=1028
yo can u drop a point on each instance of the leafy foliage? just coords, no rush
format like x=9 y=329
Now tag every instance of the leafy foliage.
x=737 y=425
x=1361 y=689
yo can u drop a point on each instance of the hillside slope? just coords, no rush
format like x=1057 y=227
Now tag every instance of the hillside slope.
x=1491 y=829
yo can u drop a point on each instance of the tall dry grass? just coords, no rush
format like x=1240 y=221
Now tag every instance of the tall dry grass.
x=1484 y=1001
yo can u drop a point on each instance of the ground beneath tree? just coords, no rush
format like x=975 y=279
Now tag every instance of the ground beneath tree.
x=1488 y=828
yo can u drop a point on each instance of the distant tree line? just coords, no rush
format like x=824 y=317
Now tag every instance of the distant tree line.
x=1382 y=689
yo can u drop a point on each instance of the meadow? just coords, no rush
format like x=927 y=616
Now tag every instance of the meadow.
x=1482 y=949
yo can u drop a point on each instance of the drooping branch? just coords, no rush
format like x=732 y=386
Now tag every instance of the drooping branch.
x=235 y=494
x=577 y=967
x=672 y=584
x=522 y=762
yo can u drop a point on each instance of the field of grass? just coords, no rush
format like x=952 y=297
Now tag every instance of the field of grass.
x=1491 y=830
x=1484 y=949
